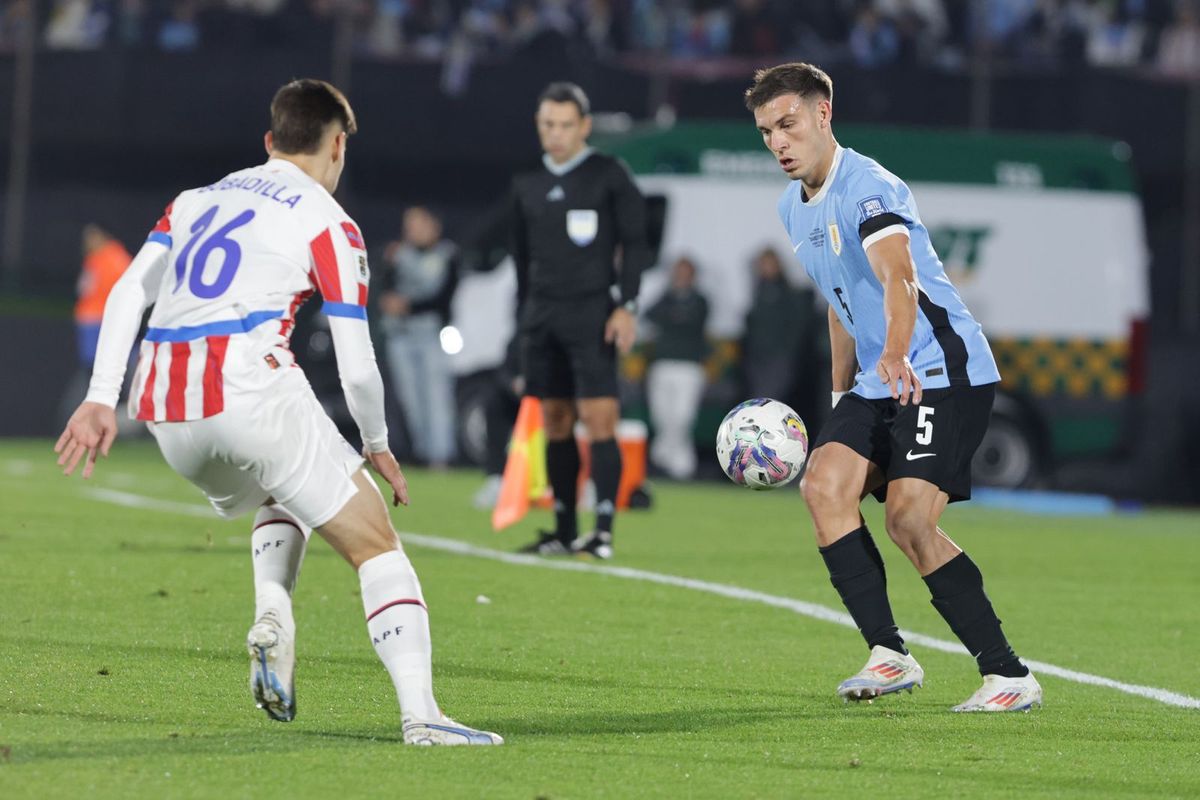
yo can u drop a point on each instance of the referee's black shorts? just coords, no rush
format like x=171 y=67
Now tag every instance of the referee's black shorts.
x=563 y=351
x=934 y=441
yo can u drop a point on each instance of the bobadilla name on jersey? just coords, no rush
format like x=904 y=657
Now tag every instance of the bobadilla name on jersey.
x=250 y=183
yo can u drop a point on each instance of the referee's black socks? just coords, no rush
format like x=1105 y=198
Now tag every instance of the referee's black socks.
x=606 y=475
x=562 y=469
x=957 y=589
x=856 y=571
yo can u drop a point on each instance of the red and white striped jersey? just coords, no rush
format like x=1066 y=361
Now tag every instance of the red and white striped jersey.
x=241 y=256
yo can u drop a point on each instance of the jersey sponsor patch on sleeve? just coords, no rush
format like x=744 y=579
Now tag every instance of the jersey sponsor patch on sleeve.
x=354 y=236
x=872 y=207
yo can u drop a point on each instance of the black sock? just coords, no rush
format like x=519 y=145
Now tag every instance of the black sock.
x=606 y=475
x=562 y=468
x=957 y=589
x=856 y=571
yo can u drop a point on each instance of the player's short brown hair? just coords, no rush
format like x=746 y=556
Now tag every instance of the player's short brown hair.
x=795 y=78
x=300 y=112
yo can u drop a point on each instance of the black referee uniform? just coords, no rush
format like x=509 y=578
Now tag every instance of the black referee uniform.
x=573 y=222
x=570 y=220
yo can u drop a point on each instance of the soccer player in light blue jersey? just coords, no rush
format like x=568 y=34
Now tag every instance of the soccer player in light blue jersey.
x=913 y=380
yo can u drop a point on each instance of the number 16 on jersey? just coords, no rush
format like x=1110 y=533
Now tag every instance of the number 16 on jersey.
x=220 y=239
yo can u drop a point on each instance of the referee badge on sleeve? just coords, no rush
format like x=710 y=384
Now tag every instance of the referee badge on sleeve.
x=582 y=224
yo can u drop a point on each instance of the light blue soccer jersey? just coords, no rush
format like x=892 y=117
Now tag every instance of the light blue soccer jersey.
x=861 y=198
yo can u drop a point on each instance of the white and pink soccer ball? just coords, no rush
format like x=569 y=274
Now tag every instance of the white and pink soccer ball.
x=762 y=444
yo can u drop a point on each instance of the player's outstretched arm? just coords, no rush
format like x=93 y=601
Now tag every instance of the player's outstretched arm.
x=92 y=429
x=893 y=265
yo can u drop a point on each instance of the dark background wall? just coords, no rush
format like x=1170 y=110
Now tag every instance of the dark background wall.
x=115 y=146
x=115 y=134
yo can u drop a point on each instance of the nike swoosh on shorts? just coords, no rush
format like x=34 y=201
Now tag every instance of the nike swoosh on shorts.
x=914 y=456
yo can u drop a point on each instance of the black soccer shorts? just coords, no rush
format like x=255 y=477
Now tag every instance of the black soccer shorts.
x=563 y=349
x=934 y=441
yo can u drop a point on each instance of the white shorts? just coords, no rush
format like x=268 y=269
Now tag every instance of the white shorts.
x=278 y=444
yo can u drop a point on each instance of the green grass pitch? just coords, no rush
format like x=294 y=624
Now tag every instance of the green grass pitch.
x=123 y=674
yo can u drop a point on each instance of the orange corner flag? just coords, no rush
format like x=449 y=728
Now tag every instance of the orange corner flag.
x=525 y=472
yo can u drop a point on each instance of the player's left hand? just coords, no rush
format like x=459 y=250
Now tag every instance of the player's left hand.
x=897 y=372
x=621 y=329
x=90 y=431
x=389 y=469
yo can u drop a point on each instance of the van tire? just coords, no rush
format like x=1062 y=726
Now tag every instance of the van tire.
x=473 y=394
x=1007 y=457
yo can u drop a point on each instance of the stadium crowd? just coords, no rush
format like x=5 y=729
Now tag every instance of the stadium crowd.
x=1159 y=34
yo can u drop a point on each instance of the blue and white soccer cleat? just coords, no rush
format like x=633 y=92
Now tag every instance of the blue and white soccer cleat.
x=999 y=693
x=272 y=664
x=446 y=731
x=886 y=671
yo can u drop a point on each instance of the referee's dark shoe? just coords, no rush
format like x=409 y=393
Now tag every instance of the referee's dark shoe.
x=598 y=545
x=547 y=544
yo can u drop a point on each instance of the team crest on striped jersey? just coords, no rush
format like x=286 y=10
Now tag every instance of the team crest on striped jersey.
x=835 y=239
x=353 y=236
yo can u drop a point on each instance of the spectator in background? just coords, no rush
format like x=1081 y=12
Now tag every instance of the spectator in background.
x=16 y=18
x=676 y=378
x=778 y=318
x=1117 y=36
x=104 y=261
x=757 y=30
x=873 y=39
x=997 y=25
x=920 y=24
x=419 y=282
x=180 y=33
x=76 y=25
x=1179 y=47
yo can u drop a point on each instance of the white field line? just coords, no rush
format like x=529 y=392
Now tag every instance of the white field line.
x=150 y=503
x=812 y=610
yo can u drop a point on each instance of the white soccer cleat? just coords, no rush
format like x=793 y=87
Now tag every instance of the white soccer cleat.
x=598 y=544
x=886 y=671
x=446 y=731
x=272 y=663
x=999 y=693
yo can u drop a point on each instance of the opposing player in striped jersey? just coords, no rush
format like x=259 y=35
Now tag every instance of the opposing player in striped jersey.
x=913 y=379
x=225 y=269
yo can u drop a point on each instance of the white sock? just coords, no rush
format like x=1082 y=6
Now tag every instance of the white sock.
x=277 y=545
x=399 y=627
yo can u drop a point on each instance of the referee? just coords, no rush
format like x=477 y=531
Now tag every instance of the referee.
x=571 y=219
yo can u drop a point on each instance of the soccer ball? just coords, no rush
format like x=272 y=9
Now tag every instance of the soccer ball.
x=762 y=444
